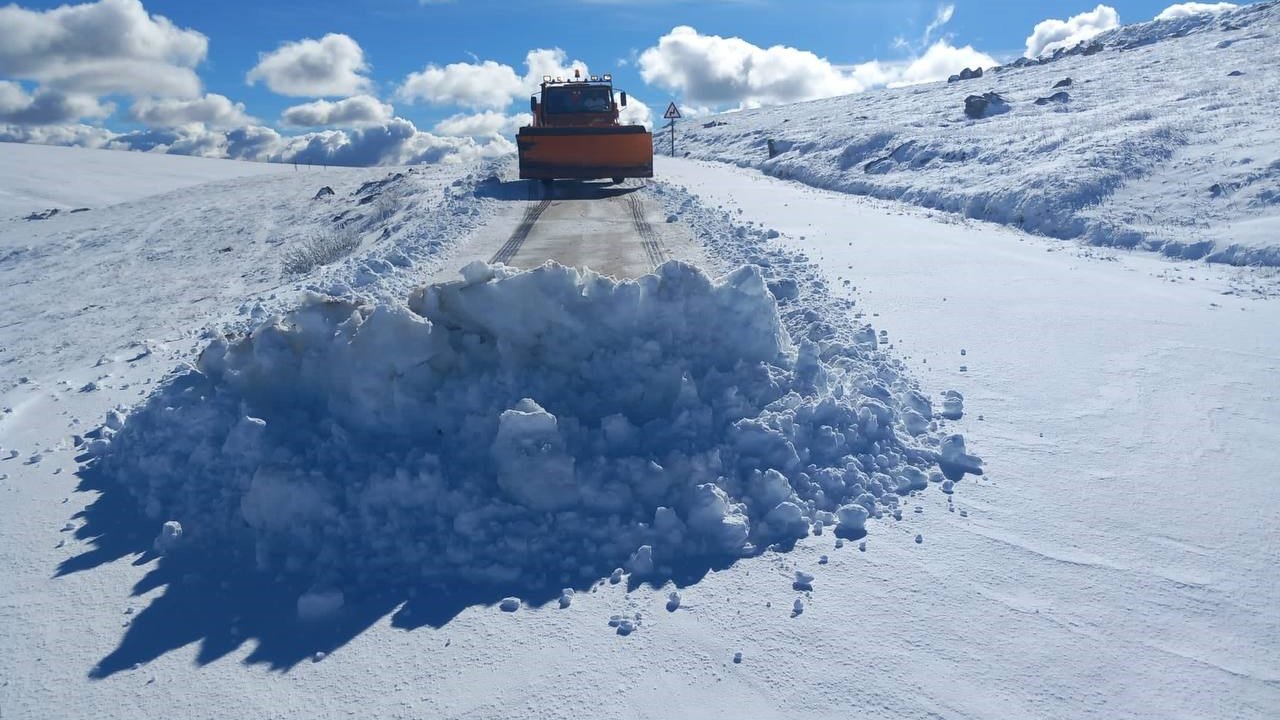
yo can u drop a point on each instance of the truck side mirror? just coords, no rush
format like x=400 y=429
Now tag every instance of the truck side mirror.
x=533 y=104
x=624 y=98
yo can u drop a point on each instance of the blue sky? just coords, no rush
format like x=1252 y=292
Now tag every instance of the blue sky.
x=830 y=45
x=401 y=36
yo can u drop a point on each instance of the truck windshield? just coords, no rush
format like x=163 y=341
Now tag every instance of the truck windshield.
x=578 y=100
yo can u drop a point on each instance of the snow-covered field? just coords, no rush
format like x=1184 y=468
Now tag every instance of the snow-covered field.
x=267 y=451
x=37 y=179
x=1165 y=139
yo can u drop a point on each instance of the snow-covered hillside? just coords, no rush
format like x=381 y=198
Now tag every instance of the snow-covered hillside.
x=34 y=179
x=179 y=259
x=1160 y=135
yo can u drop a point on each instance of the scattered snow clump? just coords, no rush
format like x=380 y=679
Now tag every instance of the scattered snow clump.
x=169 y=537
x=316 y=606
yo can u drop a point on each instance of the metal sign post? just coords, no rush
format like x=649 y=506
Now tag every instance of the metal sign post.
x=672 y=114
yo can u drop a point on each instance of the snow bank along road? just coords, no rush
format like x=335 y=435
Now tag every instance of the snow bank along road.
x=477 y=499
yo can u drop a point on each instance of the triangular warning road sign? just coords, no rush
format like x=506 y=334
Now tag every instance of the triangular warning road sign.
x=672 y=113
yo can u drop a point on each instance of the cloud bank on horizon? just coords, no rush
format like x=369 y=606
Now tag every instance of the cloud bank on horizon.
x=66 y=74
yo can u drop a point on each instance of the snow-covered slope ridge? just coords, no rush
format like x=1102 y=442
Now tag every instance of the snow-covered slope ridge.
x=1161 y=135
x=37 y=178
x=526 y=432
x=142 y=274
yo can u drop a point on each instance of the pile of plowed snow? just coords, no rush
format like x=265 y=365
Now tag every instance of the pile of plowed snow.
x=535 y=428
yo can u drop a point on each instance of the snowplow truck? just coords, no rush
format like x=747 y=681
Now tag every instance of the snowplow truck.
x=575 y=133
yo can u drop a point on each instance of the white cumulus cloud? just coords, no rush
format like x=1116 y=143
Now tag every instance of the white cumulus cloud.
x=485 y=124
x=397 y=142
x=1187 y=9
x=355 y=111
x=90 y=136
x=46 y=107
x=1049 y=35
x=636 y=113
x=334 y=65
x=213 y=110
x=191 y=139
x=713 y=71
x=940 y=61
x=486 y=85
x=550 y=61
x=110 y=46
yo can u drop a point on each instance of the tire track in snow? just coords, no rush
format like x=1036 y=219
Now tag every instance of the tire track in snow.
x=648 y=238
x=521 y=233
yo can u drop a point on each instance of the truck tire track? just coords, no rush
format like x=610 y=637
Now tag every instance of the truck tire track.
x=512 y=245
x=648 y=238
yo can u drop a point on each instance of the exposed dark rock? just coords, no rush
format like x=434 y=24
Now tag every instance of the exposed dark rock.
x=1065 y=82
x=985 y=105
x=1059 y=97
x=42 y=215
x=325 y=191
x=778 y=147
x=374 y=185
x=966 y=74
x=1224 y=189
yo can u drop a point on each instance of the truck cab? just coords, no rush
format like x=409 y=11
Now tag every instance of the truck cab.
x=575 y=133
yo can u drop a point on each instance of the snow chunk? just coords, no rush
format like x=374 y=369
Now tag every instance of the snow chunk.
x=952 y=405
x=954 y=461
x=316 y=606
x=477 y=272
x=852 y=521
x=641 y=562
x=169 y=538
x=533 y=465
x=803 y=581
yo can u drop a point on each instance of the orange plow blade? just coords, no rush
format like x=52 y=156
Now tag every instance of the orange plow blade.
x=585 y=153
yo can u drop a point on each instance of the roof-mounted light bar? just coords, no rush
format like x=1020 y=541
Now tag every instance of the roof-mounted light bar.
x=577 y=78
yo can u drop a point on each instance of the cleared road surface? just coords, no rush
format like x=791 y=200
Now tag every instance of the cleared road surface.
x=617 y=230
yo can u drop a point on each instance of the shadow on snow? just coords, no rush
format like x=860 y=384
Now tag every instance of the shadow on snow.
x=222 y=603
